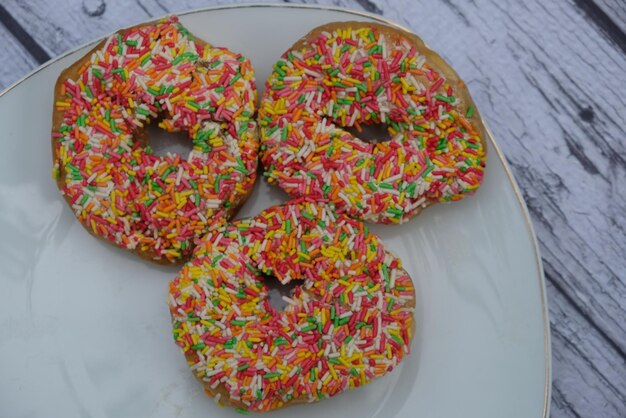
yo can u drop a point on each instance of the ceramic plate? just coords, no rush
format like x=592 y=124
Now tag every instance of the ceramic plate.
x=86 y=329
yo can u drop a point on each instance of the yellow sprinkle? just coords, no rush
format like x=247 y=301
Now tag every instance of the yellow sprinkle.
x=332 y=371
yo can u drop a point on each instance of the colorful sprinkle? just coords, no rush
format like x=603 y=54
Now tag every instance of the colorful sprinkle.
x=356 y=76
x=115 y=185
x=350 y=320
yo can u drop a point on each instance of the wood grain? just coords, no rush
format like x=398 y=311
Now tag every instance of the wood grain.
x=550 y=80
x=16 y=62
x=615 y=10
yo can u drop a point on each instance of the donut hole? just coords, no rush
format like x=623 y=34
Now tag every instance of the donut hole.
x=277 y=290
x=374 y=133
x=163 y=142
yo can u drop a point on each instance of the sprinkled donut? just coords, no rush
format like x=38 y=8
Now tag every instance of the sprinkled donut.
x=352 y=74
x=117 y=188
x=350 y=321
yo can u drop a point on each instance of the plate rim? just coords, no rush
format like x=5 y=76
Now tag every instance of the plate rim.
x=490 y=138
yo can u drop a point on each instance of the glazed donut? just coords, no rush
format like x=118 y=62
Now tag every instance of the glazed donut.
x=103 y=164
x=352 y=74
x=350 y=321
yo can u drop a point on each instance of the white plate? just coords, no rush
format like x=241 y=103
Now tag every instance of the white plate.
x=85 y=328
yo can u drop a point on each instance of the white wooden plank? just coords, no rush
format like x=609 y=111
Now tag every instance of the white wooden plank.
x=16 y=62
x=578 y=342
x=47 y=22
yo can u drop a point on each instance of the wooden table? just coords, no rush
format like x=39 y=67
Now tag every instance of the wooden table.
x=549 y=78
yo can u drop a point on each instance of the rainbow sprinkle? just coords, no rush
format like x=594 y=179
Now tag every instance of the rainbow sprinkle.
x=354 y=77
x=116 y=187
x=349 y=322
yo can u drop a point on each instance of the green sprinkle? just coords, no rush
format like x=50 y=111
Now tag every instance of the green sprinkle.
x=241 y=166
x=308 y=328
x=142 y=111
x=216 y=186
x=121 y=72
x=446 y=99
x=470 y=111
x=326 y=189
x=167 y=173
x=396 y=212
x=411 y=189
x=191 y=56
x=397 y=339
x=234 y=79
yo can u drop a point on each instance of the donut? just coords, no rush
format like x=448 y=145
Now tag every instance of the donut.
x=103 y=163
x=345 y=76
x=349 y=321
